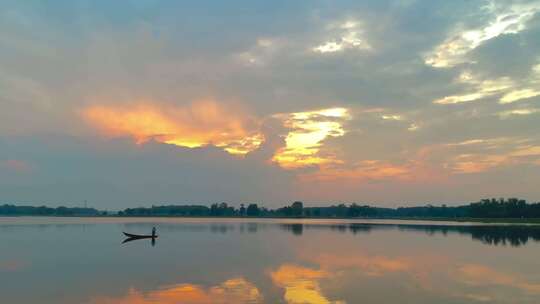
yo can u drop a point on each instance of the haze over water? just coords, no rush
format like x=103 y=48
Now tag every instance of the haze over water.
x=82 y=260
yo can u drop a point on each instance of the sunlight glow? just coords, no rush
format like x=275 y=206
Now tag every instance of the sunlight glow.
x=203 y=123
x=308 y=132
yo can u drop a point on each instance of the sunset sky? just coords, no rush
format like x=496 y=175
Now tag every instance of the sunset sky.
x=391 y=103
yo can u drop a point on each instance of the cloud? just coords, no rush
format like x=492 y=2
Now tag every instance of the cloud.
x=261 y=53
x=236 y=290
x=392 y=117
x=349 y=37
x=361 y=171
x=307 y=133
x=413 y=127
x=516 y=95
x=503 y=19
x=202 y=123
x=474 y=163
x=486 y=154
x=479 y=89
x=517 y=112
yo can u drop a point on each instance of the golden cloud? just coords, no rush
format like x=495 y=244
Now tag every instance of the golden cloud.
x=308 y=130
x=200 y=124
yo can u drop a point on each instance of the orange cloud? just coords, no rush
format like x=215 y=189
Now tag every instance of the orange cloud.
x=301 y=284
x=474 y=163
x=363 y=170
x=200 y=124
x=480 y=162
x=236 y=290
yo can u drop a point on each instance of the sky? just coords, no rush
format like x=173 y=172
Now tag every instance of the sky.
x=389 y=103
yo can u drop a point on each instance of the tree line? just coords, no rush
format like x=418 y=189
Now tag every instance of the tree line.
x=486 y=208
x=13 y=210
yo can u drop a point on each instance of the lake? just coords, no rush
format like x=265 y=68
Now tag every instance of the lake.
x=83 y=260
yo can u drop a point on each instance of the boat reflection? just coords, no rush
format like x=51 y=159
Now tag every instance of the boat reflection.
x=131 y=239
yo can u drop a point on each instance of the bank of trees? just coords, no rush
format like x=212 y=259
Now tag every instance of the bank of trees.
x=487 y=208
x=13 y=210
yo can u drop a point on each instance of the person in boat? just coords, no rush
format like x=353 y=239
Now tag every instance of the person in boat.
x=153 y=232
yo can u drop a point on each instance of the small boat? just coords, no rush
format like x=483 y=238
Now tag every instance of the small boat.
x=139 y=236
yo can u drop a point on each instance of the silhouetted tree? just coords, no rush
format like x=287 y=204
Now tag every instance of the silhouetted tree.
x=297 y=208
x=242 y=210
x=253 y=210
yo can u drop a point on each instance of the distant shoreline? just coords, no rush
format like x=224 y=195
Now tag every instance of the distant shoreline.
x=512 y=210
x=427 y=219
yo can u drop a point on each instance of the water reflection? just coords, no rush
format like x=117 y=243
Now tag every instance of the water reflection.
x=301 y=284
x=480 y=275
x=513 y=235
x=131 y=239
x=296 y=229
x=236 y=290
x=269 y=261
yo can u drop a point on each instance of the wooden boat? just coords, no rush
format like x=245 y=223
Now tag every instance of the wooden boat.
x=139 y=236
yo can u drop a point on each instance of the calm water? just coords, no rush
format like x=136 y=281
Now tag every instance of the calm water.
x=55 y=260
